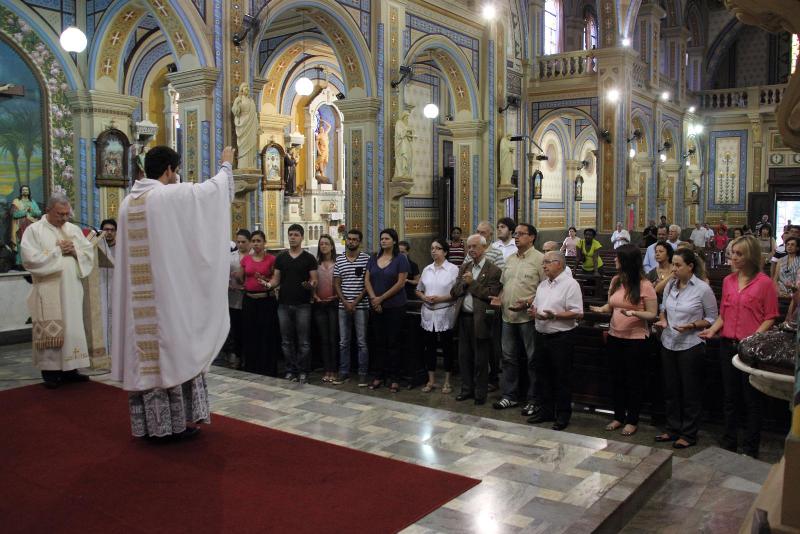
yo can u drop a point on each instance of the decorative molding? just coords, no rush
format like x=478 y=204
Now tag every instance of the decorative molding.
x=195 y=84
x=356 y=196
x=363 y=109
x=464 y=189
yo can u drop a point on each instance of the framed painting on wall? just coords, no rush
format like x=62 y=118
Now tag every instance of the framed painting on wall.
x=272 y=165
x=112 y=158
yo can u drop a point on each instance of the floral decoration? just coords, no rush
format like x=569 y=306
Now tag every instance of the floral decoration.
x=60 y=116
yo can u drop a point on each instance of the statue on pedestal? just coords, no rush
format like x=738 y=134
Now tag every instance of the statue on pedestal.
x=403 y=139
x=322 y=151
x=290 y=171
x=245 y=120
x=507 y=149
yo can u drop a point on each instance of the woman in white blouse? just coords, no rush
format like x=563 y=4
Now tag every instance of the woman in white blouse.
x=438 y=312
x=688 y=307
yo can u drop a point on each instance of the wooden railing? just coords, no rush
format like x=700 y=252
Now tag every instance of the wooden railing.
x=566 y=66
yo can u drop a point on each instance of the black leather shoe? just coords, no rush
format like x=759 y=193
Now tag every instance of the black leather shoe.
x=540 y=418
x=51 y=384
x=480 y=402
x=464 y=396
x=73 y=376
x=560 y=425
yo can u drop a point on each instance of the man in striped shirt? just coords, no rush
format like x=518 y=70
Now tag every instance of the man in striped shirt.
x=348 y=279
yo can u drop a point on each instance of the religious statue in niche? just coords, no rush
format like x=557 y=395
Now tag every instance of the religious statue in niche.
x=272 y=165
x=24 y=212
x=290 y=170
x=694 y=192
x=403 y=139
x=507 y=149
x=322 y=151
x=245 y=120
x=112 y=147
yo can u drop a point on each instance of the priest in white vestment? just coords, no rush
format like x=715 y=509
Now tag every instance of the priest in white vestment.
x=58 y=256
x=170 y=299
x=108 y=245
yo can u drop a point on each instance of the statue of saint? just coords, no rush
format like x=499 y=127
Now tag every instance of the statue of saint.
x=24 y=212
x=403 y=137
x=507 y=149
x=245 y=119
x=322 y=151
x=694 y=192
x=662 y=184
x=290 y=171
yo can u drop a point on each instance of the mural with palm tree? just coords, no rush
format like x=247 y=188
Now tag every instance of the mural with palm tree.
x=21 y=135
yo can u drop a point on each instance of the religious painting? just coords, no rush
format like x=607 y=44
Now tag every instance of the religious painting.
x=272 y=165
x=112 y=158
x=23 y=144
x=728 y=169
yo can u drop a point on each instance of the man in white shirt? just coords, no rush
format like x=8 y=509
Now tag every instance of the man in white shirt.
x=552 y=246
x=505 y=232
x=557 y=307
x=493 y=254
x=709 y=231
x=620 y=236
x=699 y=236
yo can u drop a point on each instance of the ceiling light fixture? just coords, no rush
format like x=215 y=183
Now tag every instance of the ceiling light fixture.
x=613 y=95
x=626 y=41
x=489 y=12
x=73 y=40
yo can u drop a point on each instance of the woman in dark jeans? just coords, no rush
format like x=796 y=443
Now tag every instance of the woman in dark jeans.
x=326 y=307
x=688 y=307
x=749 y=305
x=384 y=280
x=260 y=330
x=632 y=303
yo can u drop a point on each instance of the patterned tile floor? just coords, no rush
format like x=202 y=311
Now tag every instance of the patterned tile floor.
x=533 y=479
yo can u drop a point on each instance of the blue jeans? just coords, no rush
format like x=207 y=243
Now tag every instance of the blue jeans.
x=517 y=337
x=346 y=320
x=295 y=320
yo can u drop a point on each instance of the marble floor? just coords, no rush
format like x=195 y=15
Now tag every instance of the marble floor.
x=533 y=479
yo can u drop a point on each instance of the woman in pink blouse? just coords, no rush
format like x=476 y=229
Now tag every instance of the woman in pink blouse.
x=260 y=331
x=632 y=302
x=749 y=305
x=326 y=306
x=570 y=244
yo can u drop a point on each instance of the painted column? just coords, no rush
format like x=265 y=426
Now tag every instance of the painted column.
x=536 y=34
x=467 y=148
x=615 y=74
x=650 y=16
x=196 y=107
x=390 y=191
x=694 y=76
x=639 y=175
x=360 y=132
x=93 y=112
x=758 y=150
x=676 y=60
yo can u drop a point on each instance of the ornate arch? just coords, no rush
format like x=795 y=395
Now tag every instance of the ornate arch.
x=290 y=95
x=187 y=43
x=343 y=35
x=46 y=62
x=455 y=66
x=646 y=127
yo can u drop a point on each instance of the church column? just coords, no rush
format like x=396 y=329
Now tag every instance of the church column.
x=616 y=72
x=360 y=133
x=676 y=59
x=467 y=149
x=196 y=107
x=649 y=21
x=758 y=150
x=573 y=36
x=694 y=76
x=536 y=25
x=640 y=173
x=668 y=192
x=273 y=128
x=93 y=112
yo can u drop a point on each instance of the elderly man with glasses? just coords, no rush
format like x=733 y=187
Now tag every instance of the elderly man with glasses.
x=520 y=278
x=557 y=307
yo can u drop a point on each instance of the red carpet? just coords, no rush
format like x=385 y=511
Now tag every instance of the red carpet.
x=69 y=464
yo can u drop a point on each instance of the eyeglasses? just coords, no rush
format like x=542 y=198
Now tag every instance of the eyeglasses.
x=518 y=234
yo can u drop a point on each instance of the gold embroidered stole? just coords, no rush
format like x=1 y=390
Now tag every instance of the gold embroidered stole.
x=142 y=296
x=44 y=304
x=92 y=312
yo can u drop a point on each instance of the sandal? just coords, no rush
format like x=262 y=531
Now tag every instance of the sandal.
x=447 y=389
x=682 y=444
x=427 y=388
x=627 y=430
x=613 y=425
x=663 y=438
x=394 y=387
x=376 y=384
